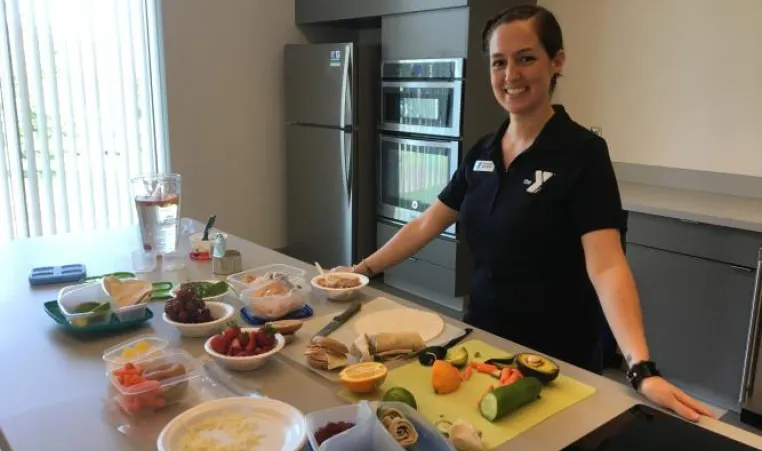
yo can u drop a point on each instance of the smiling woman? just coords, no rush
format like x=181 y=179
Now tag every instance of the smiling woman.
x=538 y=205
x=81 y=112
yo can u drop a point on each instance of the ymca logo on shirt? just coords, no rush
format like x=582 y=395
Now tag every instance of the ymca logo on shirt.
x=540 y=177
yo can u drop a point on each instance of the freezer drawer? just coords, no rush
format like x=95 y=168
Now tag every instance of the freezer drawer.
x=440 y=251
x=431 y=282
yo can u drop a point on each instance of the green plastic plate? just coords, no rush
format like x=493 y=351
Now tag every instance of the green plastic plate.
x=51 y=308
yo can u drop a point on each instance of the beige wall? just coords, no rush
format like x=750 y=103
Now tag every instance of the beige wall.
x=224 y=94
x=674 y=83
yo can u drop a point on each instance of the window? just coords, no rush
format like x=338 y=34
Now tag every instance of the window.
x=81 y=112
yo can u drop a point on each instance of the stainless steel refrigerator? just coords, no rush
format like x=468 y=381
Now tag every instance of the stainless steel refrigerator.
x=331 y=98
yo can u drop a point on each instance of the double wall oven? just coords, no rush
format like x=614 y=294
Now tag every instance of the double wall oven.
x=420 y=139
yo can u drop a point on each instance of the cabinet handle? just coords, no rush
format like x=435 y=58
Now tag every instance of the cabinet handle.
x=743 y=268
x=752 y=338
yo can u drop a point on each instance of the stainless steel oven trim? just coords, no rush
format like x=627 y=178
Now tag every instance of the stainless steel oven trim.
x=402 y=214
x=457 y=109
x=750 y=373
x=458 y=66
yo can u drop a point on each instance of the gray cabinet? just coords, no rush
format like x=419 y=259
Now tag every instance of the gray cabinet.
x=320 y=11
x=430 y=273
x=696 y=286
x=428 y=34
x=696 y=315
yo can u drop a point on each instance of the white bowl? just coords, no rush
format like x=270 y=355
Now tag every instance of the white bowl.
x=245 y=363
x=205 y=246
x=339 y=294
x=218 y=298
x=222 y=313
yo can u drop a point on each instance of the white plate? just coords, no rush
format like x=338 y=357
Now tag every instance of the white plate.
x=281 y=425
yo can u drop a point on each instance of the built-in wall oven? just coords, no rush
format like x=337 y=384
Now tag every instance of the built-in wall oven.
x=420 y=139
x=412 y=172
x=422 y=96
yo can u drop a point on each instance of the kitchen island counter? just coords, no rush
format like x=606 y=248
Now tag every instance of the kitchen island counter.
x=53 y=398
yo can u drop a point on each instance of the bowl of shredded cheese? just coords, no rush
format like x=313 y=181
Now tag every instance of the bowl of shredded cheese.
x=241 y=423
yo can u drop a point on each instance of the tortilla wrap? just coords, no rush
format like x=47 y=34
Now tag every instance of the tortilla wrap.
x=396 y=341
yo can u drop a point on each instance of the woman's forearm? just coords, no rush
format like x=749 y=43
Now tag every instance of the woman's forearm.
x=410 y=239
x=619 y=298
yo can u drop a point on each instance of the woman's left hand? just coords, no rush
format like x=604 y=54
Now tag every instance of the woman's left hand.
x=661 y=392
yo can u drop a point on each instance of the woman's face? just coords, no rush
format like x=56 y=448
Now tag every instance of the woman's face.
x=520 y=68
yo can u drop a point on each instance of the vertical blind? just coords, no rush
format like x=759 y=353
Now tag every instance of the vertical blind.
x=81 y=112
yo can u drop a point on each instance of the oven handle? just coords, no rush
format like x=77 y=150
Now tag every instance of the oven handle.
x=422 y=84
x=752 y=339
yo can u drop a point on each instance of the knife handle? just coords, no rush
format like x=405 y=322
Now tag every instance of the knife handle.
x=346 y=314
x=457 y=339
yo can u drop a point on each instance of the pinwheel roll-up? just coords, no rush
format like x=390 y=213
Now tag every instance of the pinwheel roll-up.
x=403 y=432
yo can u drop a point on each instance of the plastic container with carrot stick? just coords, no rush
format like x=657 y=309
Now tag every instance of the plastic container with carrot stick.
x=154 y=382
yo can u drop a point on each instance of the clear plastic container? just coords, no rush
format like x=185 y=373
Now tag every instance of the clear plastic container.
x=131 y=350
x=275 y=306
x=164 y=381
x=131 y=313
x=243 y=280
x=369 y=433
x=72 y=296
x=429 y=438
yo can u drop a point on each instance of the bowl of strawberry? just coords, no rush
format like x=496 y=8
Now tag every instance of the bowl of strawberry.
x=244 y=349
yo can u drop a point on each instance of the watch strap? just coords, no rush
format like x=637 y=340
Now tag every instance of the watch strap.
x=640 y=371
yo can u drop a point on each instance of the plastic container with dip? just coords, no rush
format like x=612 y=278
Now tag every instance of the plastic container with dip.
x=137 y=348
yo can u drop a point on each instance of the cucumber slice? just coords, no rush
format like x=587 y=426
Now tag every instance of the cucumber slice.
x=443 y=426
x=508 y=398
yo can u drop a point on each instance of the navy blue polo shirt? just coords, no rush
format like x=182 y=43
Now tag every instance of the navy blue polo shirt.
x=523 y=225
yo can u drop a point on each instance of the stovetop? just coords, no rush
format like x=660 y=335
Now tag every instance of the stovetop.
x=642 y=428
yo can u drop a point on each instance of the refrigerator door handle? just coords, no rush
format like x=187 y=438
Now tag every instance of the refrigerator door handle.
x=346 y=158
x=346 y=89
x=752 y=339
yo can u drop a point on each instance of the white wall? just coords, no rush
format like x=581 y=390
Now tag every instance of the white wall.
x=225 y=98
x=674 y=83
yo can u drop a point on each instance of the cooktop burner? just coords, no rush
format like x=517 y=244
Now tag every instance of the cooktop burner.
x=642 y=428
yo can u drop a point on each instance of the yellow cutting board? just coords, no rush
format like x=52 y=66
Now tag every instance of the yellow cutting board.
x=555 y=397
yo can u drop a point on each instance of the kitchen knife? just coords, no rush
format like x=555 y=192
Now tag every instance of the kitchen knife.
x=338 y=320
x=466 y=332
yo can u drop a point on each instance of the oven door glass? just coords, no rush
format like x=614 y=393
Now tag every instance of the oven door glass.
x=431 y=108
x=412 y=174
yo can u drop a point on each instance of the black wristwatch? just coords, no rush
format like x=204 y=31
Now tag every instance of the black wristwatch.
x=641 y=370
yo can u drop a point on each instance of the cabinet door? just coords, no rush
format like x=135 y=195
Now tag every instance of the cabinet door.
x=696 y=314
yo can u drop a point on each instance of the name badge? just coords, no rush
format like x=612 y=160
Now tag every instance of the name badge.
x=484 y=166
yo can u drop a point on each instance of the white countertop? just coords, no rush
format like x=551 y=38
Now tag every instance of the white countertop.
x=53 y=386
x=738 y=212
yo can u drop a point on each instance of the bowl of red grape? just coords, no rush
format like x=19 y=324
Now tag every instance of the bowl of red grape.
x=194 y=317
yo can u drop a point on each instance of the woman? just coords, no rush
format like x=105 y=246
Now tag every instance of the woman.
x=539 y=207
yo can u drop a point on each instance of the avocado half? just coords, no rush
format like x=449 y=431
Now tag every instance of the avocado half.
x=533 y=365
